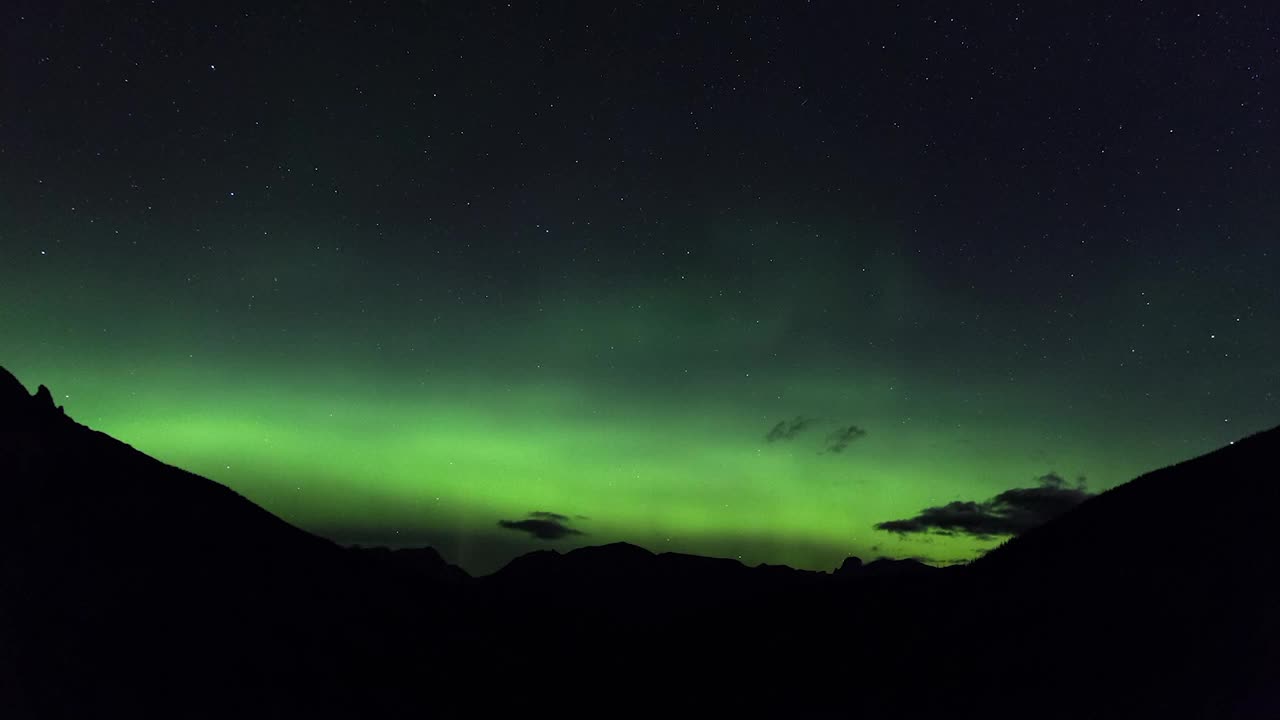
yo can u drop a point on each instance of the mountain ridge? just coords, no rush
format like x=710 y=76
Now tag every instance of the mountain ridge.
x=128 y=585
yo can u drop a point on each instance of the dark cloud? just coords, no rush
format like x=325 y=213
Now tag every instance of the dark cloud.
x=542 y=525
x=843 y=437
x=788 y=429
x=1009 y=513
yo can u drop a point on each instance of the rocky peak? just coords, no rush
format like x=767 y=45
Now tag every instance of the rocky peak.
x=851 y=566
x=18 y=409
x=43 y=397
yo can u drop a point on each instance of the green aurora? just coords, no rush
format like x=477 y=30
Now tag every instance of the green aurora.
x=640 y=414
x=400 y=271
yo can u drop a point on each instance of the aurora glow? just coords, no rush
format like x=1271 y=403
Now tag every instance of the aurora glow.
x=372 y=328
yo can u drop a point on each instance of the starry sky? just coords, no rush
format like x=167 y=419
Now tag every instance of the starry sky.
x=740 y=279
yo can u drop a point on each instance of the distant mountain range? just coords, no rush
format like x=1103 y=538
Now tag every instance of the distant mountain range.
x=133 y=588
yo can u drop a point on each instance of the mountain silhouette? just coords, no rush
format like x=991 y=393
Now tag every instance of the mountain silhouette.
x=424 y=563
x=1199 y=517
x=129 y=587
x=1170 y=580
x=627 y=566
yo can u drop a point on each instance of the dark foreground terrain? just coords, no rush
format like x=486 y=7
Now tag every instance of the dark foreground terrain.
x=129 y=588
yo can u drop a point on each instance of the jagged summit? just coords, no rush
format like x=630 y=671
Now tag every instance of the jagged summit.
x=43 y=397
x=18 y=409
x=115 y=566
x=88 y=485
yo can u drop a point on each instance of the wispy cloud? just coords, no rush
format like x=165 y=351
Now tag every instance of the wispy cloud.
x=843 y=437
x=788 y=429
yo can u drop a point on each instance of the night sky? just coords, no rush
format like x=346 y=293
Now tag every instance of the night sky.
x=740 y=279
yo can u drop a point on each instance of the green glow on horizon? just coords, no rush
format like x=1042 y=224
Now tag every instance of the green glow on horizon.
x=642 y=407
x=694 y=475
